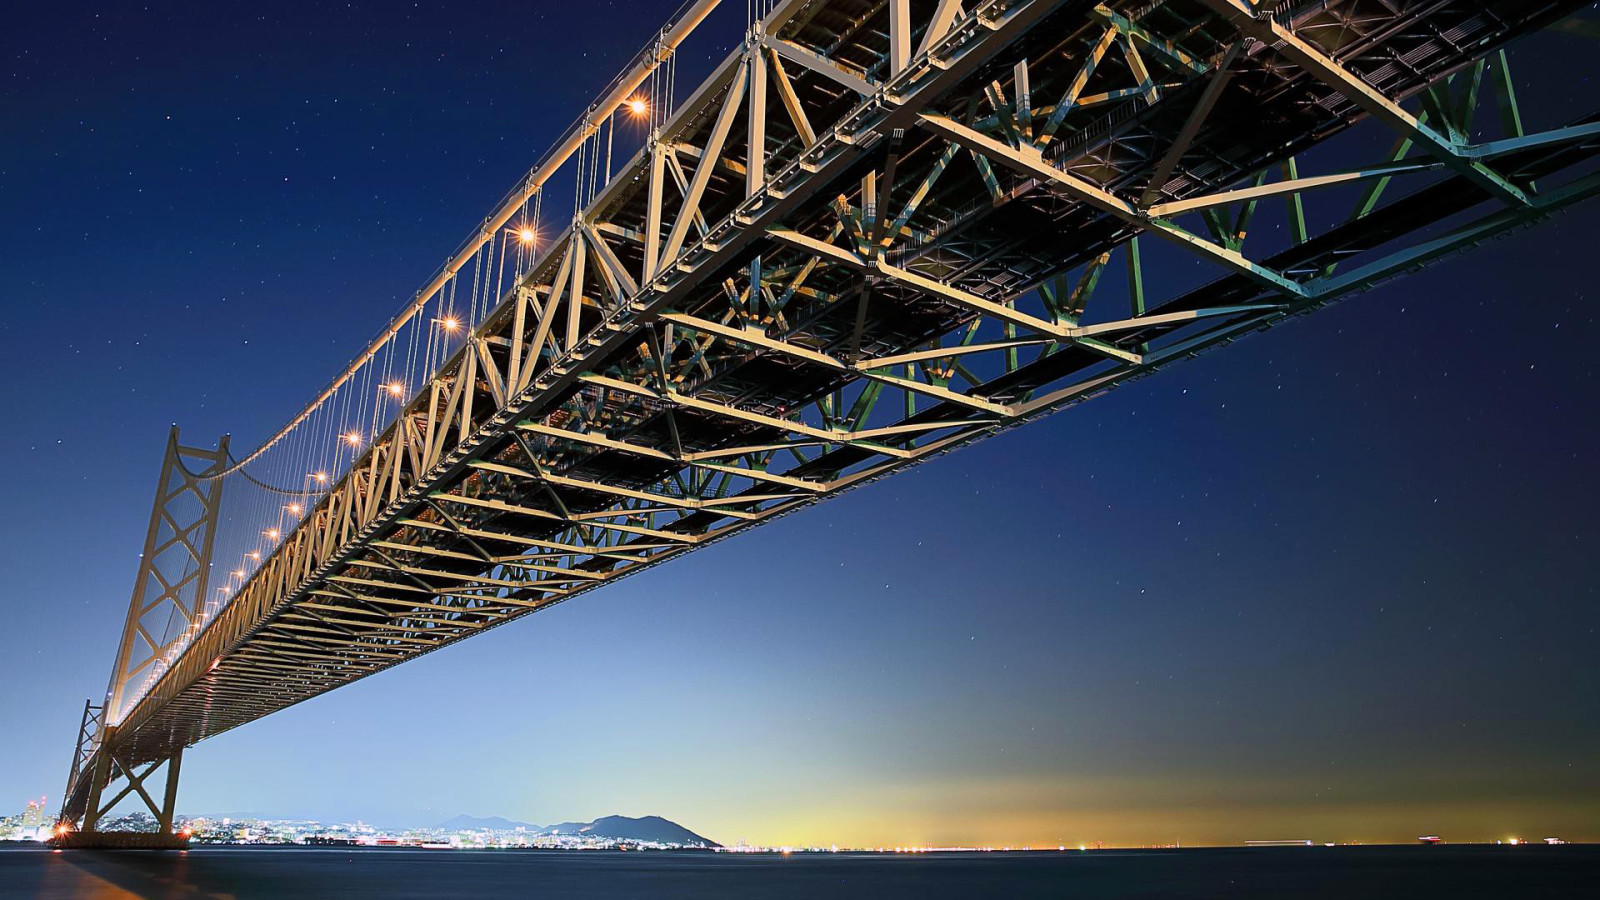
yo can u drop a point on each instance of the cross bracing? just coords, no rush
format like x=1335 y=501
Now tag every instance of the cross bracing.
x=877 y=232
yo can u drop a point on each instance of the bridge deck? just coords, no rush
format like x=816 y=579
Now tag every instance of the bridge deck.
x=904 y=264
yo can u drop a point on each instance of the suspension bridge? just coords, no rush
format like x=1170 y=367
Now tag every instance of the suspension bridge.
x=876 y=231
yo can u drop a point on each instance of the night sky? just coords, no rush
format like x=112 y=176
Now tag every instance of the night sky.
x=1336 y=582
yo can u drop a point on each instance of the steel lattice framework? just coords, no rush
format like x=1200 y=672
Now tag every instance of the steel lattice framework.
x=873 y=235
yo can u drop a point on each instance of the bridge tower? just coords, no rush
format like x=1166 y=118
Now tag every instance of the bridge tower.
x=169 y=598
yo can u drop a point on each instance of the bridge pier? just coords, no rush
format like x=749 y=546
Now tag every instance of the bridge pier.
x=170 y=801
x=172 y=584
x=110 y=766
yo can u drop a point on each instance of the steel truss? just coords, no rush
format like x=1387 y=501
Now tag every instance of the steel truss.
x=779 y=301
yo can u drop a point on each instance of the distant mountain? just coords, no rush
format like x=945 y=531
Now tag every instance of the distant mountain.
x=622 y=828
x=566 y=828
x=648 y=828
x=496 y=823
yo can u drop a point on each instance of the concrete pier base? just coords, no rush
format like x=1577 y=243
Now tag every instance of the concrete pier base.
x=119 y=840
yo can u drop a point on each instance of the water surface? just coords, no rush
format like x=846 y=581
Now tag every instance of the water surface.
x=222 y=873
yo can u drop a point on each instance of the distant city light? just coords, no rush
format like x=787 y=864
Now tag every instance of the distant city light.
x=359 y=834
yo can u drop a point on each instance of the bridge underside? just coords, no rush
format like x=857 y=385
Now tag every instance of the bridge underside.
x=877 y=233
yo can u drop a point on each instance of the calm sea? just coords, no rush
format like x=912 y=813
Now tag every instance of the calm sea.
x=1312 y=872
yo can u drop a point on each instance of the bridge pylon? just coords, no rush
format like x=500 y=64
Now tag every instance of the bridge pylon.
x=168 y=604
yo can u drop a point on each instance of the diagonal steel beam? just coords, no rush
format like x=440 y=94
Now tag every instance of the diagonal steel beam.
x=1031 y=162
x=1330 y=72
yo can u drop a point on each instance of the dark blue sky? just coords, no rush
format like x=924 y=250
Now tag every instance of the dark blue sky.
x=1337 y=581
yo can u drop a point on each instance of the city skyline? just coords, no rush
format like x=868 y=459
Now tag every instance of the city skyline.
x=467 y=831
x=1335 y=582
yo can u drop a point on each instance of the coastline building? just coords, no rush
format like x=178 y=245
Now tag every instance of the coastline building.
x=29 y=825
